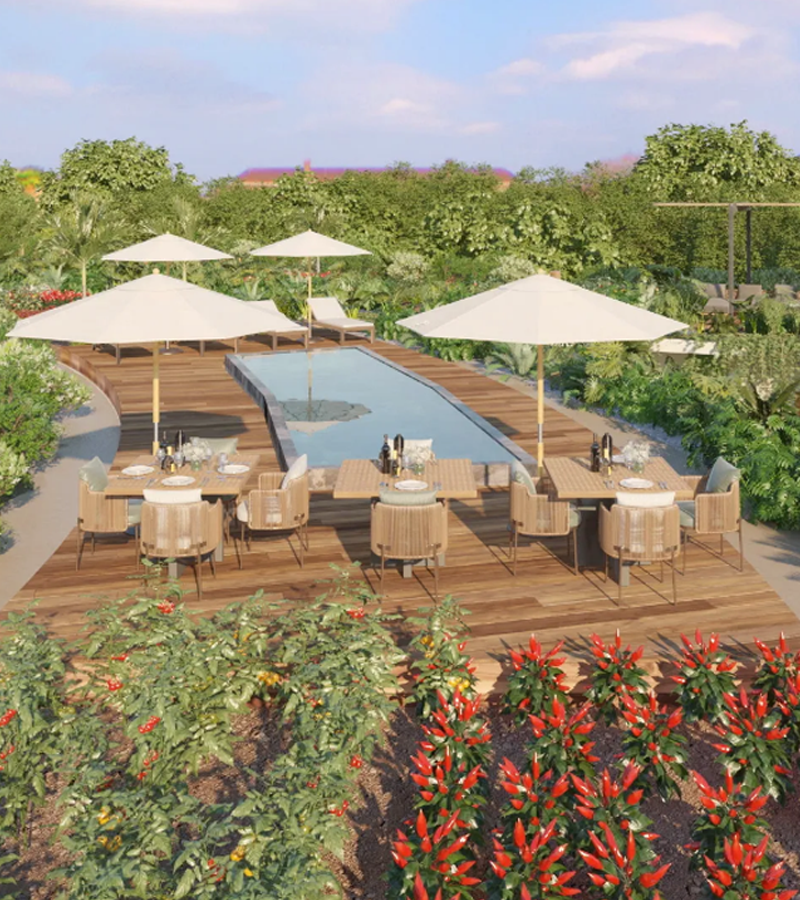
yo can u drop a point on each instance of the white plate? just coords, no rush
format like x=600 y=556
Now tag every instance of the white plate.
x=636 y=484
x=411 y=485
x=178 y=481
x=234 y=469
x=138 y=470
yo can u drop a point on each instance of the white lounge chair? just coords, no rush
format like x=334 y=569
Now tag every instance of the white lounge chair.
x=327 y=312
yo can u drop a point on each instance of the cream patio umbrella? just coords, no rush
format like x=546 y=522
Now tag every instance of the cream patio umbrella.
x=167 y=248
x=309 y=245
x=541 y=310
x=147 y=311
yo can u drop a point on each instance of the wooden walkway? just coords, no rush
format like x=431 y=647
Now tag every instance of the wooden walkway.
x=198 y=396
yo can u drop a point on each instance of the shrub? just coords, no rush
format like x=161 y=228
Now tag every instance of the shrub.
x=536 y=680
x=744 y=872
x=706 y=676
x=561 y=740
x=652 y=743
x=620 y=871
x=615 y=675
x=405 y=265
x=531 y=864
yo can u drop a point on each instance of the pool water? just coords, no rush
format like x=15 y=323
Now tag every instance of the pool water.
x=338 y=404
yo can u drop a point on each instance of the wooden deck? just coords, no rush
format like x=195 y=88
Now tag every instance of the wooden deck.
x=198 y=396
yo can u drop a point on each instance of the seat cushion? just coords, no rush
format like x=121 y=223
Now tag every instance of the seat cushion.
x=156 y=495
x=574 y=516
x=243 y=512
x=297 y=469
x=134 y=512
x=520 y=474
x=721 y=476
x=688 y=511
x=222 y=445
x=645 y=500
x=94 y=474
x=406 y=498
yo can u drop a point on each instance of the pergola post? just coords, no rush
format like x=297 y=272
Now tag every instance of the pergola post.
x=731 y=232
x=749 y=244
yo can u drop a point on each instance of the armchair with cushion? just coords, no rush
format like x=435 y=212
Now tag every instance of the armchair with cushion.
x=632 y=532
x=281 y=503
x=99 y=514
x=534 y=512
x=187 y=531
x=716 y=508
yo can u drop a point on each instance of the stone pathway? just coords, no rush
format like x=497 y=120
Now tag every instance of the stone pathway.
x=41 y=518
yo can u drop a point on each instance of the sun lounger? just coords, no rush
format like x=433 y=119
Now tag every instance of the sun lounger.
x=288 y=328
x=327 y=312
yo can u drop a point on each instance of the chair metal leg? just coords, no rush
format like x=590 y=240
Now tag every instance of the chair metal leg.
x=246 y=527
x=741 y=547
x=516 y=548
x=436 y=573
x=619 y=577
x=236 y=546
x=92 y=543
x=721 y=545
x=212 y=564
x=198 y=575
x=383 y=567
x=574 y=534
x=78 y=547
x=605 y=567
x=674 y=586
x=302 y=547
x=685 y=536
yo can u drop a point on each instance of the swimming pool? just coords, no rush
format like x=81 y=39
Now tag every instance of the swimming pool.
x=338 y=404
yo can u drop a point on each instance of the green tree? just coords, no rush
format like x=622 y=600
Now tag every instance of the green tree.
x=110 y=167
x=82 y=232
x=697 y=161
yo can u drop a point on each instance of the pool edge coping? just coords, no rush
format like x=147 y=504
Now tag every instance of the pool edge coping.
x=282 y=438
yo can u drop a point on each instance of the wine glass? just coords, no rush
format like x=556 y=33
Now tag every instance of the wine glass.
x=223 y=461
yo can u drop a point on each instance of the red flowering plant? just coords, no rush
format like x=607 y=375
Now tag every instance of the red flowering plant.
x=561 y=739
x=615 y=808
x=620 y=869
x=705 y=676
x=616 y=674
x=742 y=872
x=535 y=681
x=447 y=786
x=458 y=728
x=536 y=798
x=754 y=750
x=652 y=743
x=433 y=853
x=440 y=663
x=530 y=863
x=779 y=669
x=727 y=811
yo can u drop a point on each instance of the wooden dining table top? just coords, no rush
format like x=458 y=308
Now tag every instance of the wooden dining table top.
x=573 y=479
x=362 y=479
x=211 y=482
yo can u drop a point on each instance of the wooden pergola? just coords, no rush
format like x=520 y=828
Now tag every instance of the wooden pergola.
x=733 y=208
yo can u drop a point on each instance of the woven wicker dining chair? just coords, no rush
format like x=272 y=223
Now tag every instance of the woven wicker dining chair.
x=712 y=513
x=184 y=531
x=643 y=535
x=99 y=514
x=274 y=507
x=540 y=515
x=408 y=533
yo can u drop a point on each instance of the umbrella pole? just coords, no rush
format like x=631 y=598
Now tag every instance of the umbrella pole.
x=308 y=304
x=540 y=409
x=156 y=398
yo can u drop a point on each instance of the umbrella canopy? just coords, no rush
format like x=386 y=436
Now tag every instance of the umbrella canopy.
x=309 y=245
x=166 y=248
x=541 y=310
x=149 y=310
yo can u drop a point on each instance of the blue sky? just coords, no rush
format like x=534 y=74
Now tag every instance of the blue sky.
x=230 y=84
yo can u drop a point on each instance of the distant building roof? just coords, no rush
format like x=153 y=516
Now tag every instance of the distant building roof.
x=329 y=173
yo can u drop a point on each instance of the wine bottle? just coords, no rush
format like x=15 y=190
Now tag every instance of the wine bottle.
x=399 y=446
x=607 y=450
x=594 y=456
x=386 y=456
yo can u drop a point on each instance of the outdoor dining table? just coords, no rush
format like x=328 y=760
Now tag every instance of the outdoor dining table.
x=362 y=479
x=211 y=482
x=573 y=479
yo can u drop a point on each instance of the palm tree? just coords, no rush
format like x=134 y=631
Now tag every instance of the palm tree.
x=184 y=218
x=83 y=231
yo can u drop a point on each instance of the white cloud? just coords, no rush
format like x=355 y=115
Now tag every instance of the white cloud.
x=253 y=15
x=480 y=128
x=515 y=77
x=28 y=85
x=618 y=49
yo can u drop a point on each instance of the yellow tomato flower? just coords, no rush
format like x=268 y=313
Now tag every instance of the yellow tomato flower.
x=248 y=872
x=104 y=815
x=237 y=855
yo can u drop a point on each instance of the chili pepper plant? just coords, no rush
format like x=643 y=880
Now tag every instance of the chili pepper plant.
x=705 y=676
x=652 y=743
x=536 y=680
x=616 y=674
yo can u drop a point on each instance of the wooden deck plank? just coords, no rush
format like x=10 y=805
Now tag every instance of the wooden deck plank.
x=199 y=397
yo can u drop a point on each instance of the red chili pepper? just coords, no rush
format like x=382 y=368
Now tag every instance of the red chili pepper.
x=358 y=613
x=113 y=684
x=166 y=607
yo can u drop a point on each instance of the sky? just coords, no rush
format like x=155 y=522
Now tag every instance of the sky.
x=226 y=85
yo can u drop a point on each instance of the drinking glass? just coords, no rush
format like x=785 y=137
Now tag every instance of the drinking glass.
x=223 y=460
